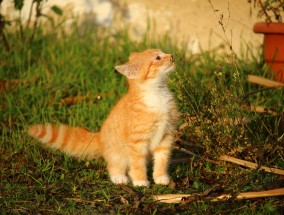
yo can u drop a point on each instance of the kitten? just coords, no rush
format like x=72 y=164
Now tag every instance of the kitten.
x=141 y=123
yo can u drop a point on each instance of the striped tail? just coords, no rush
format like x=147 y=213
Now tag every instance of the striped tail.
x=73 y=141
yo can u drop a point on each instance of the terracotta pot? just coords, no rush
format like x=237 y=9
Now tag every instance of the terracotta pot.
x=273 y=46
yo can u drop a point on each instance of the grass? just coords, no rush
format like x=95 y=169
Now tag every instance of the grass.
x=209 y=89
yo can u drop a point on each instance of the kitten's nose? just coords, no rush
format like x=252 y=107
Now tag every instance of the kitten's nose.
x=172 y=57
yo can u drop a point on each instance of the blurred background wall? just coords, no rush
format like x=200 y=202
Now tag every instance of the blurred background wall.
x=193 y=24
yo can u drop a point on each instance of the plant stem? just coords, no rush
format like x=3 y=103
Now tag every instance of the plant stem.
x=4 y=39
x=264 y=11
x=38 y=14
x=30 y=14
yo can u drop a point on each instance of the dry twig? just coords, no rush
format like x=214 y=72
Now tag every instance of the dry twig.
x=264 y=81
x=177 y=198
x=180 y=149
x=251 y=164
x=260 y=109
x=82 y=200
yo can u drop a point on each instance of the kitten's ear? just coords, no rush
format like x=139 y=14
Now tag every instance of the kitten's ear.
x=130 y=70
x=133 y=55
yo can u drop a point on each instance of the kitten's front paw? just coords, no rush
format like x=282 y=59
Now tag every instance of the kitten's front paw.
x=141 y=183
x=164 y=180
x=119 y=179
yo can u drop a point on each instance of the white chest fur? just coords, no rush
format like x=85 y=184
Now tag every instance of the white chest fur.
x=157 y=99
x=159 y=132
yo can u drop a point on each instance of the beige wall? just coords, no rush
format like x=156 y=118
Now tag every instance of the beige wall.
x=191 y=23
x=195 y=22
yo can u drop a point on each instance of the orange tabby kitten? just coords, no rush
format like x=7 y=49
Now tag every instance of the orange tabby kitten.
x=141 y=123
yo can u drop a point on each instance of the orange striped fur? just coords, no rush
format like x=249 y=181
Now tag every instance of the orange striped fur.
x=140 y=124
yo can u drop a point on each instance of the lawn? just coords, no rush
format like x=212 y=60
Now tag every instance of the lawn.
x=72 y=80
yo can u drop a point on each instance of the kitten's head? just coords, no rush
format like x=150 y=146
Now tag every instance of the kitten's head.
x=150 y=64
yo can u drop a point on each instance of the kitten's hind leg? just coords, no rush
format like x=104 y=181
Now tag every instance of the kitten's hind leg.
x=161 y=160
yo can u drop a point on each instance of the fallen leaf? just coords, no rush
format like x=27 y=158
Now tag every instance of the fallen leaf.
x=123 y=200
x=6 y=85
x=172 y=184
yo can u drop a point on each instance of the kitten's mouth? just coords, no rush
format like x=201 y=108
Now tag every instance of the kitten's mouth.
x=169 y=68
x=172 y=67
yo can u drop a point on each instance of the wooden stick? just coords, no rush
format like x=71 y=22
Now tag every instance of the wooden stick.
x=251 y=164
x=185 y=151
x=264 y=81
x=194 y=155
x=82 y=200
x=171 y=198
x=78 y=99
x=234 y=160
x=177 y=198
x=71 y=100
x=261 y=109
x=252 y=195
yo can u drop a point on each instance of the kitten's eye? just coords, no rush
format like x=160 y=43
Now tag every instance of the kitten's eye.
x=158 y=58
